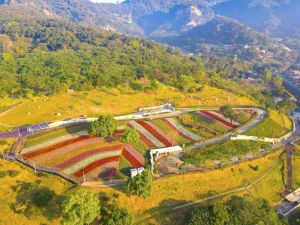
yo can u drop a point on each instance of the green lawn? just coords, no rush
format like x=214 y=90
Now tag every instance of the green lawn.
x=268 y=128
x=141 y=148
x=223 y=151
x=124 y=168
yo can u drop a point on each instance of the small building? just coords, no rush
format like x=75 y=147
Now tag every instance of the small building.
x=289 y=204
x=166 y=108
x=136 y=171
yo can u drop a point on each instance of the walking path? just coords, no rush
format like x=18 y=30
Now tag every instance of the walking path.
x=223 y=194
x=260 y=115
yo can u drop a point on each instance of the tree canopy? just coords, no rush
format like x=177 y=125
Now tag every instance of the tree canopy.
x=141 y=184
x=130 y=135
x=235 y=212
x=104 y=126
x=68 y=55
x=80 y=207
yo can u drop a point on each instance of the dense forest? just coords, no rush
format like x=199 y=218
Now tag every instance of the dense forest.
x=48 y=56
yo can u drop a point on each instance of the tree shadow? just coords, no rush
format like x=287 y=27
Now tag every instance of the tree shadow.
x=32 y=199
x=166 y=213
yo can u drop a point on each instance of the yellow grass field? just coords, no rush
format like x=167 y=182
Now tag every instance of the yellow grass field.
x=283 y=120
x=176 y=190
x=63 y=106
x=167 y=192
x=8 y=194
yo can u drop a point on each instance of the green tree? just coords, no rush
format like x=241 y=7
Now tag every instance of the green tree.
x=130 y=136
x=267 y=76
x=237 y=211
x=80 y=207
x=277 y=81
x=228 y=111
x=186 y=83
x=105 y=126
x=200 y=215
x=141 y=184
x=220 y=214
x=117 y=216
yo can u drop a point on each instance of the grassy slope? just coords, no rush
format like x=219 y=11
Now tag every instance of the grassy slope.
x=113 y=101
x=8 y=196
x=175 y=190
x=273 y=126
x=168 y=191
x=224 y=150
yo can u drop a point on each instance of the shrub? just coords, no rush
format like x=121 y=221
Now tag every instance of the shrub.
x=2 y=174
x=13 y=173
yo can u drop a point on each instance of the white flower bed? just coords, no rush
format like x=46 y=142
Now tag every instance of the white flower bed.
x=186 y=132
x=53 y=141
x=90 y=160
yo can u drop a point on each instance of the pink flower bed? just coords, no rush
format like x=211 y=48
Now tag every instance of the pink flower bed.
x=133 y=156
x=156 y=132
x=94 y=165
x=56 y=146
x=81 y=156
x=219 y=119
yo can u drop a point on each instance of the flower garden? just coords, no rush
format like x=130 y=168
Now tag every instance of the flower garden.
x=73 y=152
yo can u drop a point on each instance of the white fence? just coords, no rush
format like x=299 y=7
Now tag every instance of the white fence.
x=253 y=138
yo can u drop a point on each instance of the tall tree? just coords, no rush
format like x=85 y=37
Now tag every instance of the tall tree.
x=130 y=136
x=80 y=207
x=141 y=184
x=105 y=126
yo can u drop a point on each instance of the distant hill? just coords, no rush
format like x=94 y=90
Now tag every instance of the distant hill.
x=275 y=17
x=218 y=31
x=183 y=21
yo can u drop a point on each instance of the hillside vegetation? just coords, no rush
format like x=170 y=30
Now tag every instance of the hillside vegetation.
x=48 y=56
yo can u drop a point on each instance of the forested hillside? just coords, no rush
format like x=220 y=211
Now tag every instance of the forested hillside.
x=48 y=56
x=219 y=31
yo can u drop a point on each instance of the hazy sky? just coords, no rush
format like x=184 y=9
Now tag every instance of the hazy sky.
x=107 y=1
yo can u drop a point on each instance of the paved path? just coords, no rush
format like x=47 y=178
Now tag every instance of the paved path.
x=260 y=116
x=22 y=132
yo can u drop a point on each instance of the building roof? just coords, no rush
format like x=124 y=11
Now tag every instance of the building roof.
x=294 y=197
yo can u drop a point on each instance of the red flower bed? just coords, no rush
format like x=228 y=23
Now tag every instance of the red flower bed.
x=134 y=157
x=149 y=143
x=222 y=121
x=83 y=155
x=94 y=165
x=56 y=146
x=119 y=133
x=178 y=131
x=163 y=138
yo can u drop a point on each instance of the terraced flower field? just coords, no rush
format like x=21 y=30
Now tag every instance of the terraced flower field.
x=75 y=153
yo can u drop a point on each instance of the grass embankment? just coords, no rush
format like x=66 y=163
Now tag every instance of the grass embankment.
x=167 y=192
x=224 y=151
x=10 y=195
x=112 y=101
x=176 y=190
x=274 y=126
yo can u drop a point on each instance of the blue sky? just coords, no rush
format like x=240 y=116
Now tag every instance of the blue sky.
x=107 y=1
